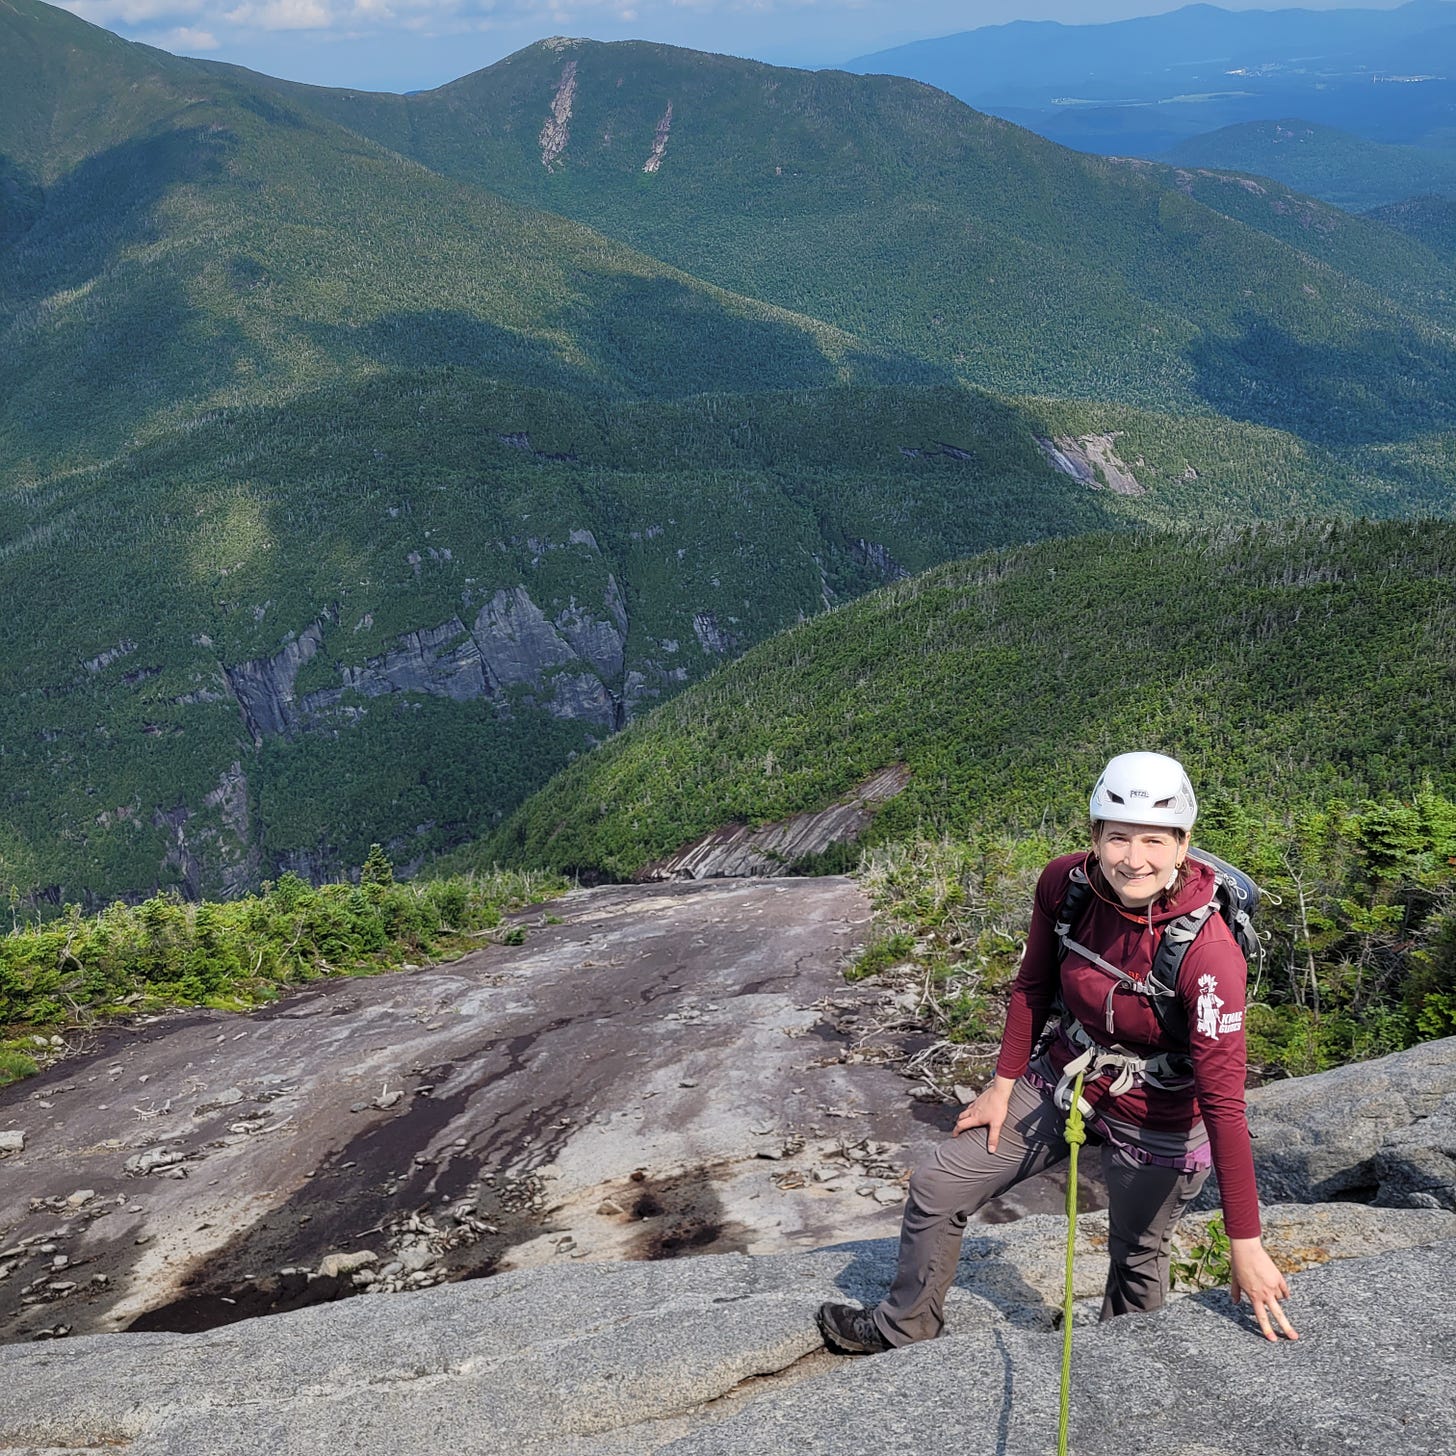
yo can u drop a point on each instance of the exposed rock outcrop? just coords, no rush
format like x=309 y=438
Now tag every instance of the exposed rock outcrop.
x=775 y=849
x=1093 y=460
x=264 y=685
x=599 y=1360
x=878 y=558
x=518 y=1090
x=103 y=660
x=442 y=661
x=573 y=666
x=659 y=141
x=570 y=666
x=556 y=132
x=1383 y=1131
x=213 y=851
x=711 y=637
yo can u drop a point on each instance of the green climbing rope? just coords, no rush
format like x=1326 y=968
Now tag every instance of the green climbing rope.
x=1076 y=1135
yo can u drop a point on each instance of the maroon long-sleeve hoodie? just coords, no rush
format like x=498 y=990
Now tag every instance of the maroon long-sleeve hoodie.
x=1211 y=985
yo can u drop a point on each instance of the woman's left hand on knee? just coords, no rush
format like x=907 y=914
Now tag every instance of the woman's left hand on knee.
x=1255 y=1274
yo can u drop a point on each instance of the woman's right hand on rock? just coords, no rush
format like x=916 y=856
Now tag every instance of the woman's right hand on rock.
x=988 y=1111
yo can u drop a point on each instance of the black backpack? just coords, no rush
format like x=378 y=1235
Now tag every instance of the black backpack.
x=1235 y=897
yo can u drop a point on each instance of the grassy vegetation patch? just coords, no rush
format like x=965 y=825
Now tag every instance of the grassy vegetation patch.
x=75 y=971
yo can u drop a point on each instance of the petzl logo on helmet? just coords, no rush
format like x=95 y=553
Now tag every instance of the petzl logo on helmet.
x=1145 y=788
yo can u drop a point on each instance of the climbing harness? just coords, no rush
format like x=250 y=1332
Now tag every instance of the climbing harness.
x=1168 y=1071
x=1075 y=1135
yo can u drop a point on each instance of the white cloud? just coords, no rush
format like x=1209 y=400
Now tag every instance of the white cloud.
x=207 y=17
x=282 y=15
x=187 y=40
x=133 y=12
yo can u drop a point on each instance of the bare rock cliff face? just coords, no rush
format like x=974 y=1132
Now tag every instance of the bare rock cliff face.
x=573 y=666
x=566 y=658
x=774 y=849
x=264 y=686
x=214 y=848
x=431 y=660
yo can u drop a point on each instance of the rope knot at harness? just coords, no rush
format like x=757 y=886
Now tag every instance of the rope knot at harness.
x=1075 y=1131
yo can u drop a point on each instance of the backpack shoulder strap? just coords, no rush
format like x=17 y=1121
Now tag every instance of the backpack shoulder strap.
x=1070 y=911
x=1178 y=935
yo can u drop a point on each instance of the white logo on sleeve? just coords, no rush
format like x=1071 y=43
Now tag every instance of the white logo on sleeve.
x=1209 y=1002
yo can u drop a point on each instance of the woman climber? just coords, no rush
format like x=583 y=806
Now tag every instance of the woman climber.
x=1163 y=1068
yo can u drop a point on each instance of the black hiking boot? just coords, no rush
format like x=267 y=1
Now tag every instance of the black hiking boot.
x=850 y=1330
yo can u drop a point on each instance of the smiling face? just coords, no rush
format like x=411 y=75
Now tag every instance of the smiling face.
x=1140 y=861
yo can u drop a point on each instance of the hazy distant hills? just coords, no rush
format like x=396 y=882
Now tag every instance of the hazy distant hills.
x=1140 y=86
x=364 y=458
x=1334 y=165
x=1035 y=62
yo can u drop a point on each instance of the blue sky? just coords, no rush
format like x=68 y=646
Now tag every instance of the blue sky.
x=399 y=45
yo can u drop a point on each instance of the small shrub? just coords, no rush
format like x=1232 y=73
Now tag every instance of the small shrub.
x=14 y=1066
x=1204 y=1263
x=880 y=954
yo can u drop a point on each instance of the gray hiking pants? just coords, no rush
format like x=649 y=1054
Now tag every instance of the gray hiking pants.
x=962 y=1174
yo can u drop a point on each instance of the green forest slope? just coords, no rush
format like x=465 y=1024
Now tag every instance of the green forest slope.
x=192 y=242
x=346 y=497
x=1287 y=666
x=147 y=594
x=1431 y=220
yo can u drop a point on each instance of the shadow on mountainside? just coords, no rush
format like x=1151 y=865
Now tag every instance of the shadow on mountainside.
x=101 y=327
x=668 y=339
x=107 y=204
x=22 y=200
x=428 y=338
x=1269 y=377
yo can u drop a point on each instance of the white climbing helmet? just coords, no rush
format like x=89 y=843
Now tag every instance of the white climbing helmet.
x=1145 y=788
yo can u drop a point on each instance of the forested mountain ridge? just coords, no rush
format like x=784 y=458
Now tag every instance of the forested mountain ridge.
x=1323 y=161
x=1031 y=268
x=345 y=500
x=192 y=242
x=1430 y=220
